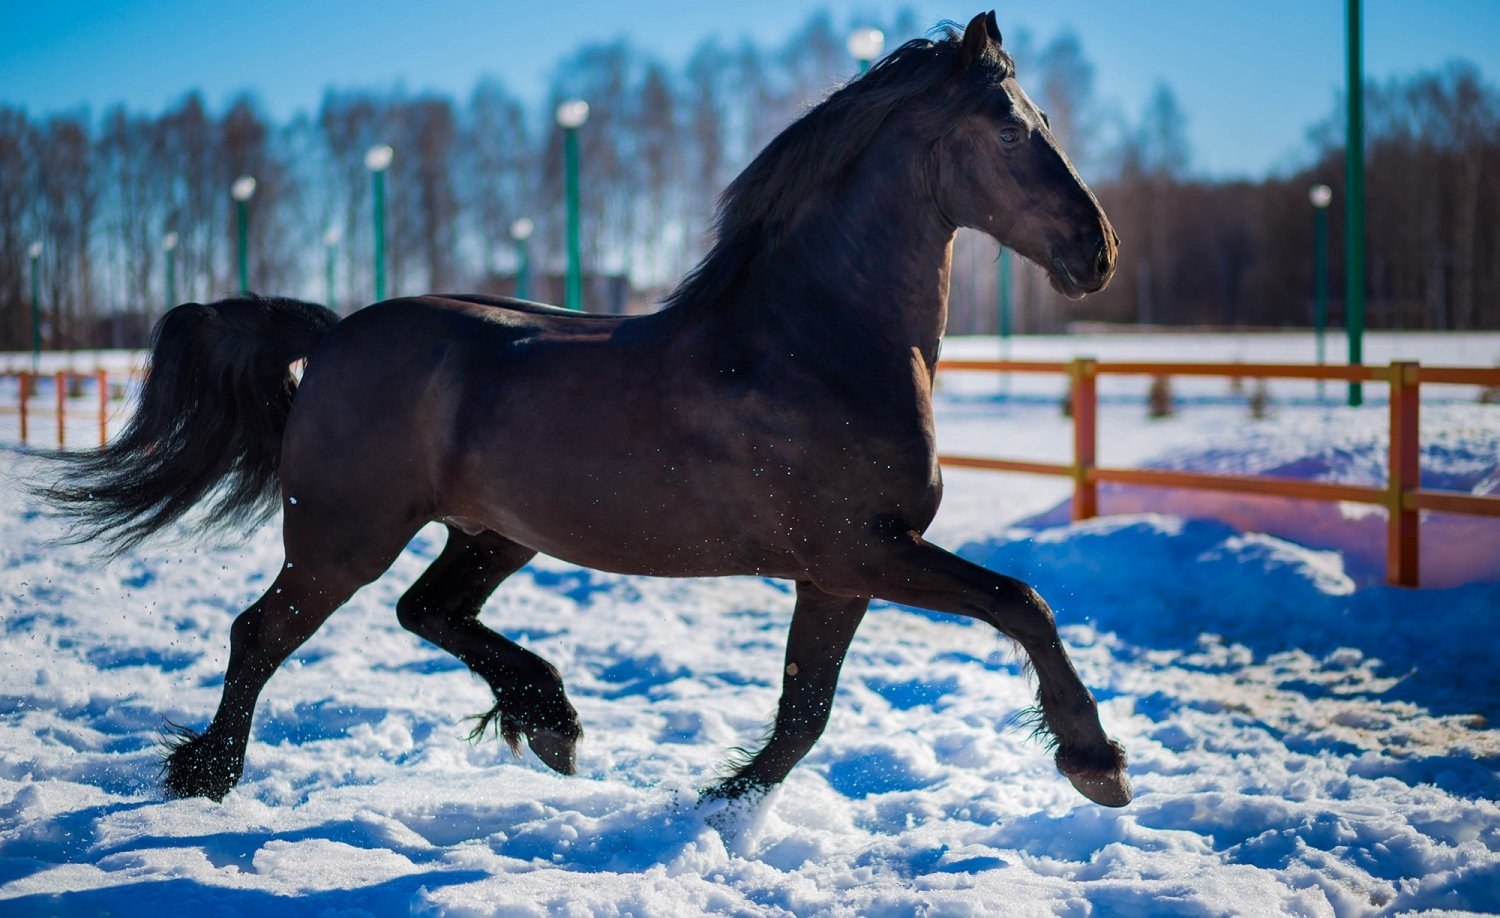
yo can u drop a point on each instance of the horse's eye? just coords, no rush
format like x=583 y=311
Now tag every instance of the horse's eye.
x=1010 y=135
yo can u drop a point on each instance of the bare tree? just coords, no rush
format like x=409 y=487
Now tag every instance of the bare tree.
x=66 y=198
x=351 y=124
x=657 y=148
x=495 y=164
x=16 y=184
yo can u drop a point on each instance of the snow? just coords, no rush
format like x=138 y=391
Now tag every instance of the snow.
x=1303 y=739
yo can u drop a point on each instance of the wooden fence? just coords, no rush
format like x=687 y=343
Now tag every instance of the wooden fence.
x=1402 y=496
x=30 y=404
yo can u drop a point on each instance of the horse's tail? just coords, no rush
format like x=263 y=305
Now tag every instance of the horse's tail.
x=209 y=423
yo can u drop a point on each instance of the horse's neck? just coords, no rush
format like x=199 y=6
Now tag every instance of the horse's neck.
x=872 y=259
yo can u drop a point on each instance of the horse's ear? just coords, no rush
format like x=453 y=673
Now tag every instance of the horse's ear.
x=976 y=40
x=992 y=25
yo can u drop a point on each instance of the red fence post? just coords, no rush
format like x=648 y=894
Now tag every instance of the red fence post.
x=1085 y=489
x=1402 y=528
x=60 y=382
x=101 y=379
x=26 y=384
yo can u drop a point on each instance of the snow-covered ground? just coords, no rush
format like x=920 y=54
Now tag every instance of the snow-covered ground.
x=1303 y=739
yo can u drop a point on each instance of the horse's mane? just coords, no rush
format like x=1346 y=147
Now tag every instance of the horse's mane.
x=760 y=204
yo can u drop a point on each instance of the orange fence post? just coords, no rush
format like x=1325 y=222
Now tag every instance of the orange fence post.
x=26 y=385
x=1083 y=371
x=1402 y=528
x=101 y=379
x=60 y=382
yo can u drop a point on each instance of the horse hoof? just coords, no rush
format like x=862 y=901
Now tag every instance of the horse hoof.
x=196 y=765
x=1099 y=776
x=558 y=752
x=732 y=789
x=1106 y=789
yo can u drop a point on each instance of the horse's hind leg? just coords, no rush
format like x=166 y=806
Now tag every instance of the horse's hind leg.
x=335 y=544
x=209 y=764
x=822 y=627
x=443 y=607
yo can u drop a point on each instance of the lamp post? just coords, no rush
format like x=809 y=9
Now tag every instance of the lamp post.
x=378 y=160
x=570 y=117
x=34 y=257
x=865 y=45
x=331 y=237
x=1321 y=196
x=1354 y=201
x=1003 y=285
x=521 y=231
x=169 y=247
x=242 y=191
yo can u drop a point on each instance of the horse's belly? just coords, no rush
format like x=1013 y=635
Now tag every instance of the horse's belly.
x=658 y=551
x=629 y=519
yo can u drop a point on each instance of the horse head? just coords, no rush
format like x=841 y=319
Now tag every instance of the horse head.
x=999 y=170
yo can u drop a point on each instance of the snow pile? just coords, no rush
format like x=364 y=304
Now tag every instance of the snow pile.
x=1303 y=740
x=1458 y=454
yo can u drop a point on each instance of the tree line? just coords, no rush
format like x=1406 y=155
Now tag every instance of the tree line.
x=101 y=195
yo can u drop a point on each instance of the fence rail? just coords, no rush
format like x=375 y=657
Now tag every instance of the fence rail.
x=1402 y=496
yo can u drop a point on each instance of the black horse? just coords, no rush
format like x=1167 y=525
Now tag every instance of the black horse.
x=773 y=419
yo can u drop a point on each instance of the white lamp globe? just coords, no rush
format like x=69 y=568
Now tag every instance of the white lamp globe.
x=243 y=188
x=378 y=159
x=572 y=114
x=1320 y=195
x=866 y=44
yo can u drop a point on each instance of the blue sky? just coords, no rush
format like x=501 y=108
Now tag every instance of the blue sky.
x=1251 y=76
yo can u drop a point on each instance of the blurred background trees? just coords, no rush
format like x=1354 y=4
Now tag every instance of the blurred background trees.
x=102 y=193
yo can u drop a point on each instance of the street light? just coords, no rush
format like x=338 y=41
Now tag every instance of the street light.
x=570 y=117
x=1003 y=286
x=378 y=160
x=1354 y=197
x=169 y=246
x=242 y=191
x=331 y=238
x=34 y=256
x=1321 y=196
x=521 y=231
x=865 y=45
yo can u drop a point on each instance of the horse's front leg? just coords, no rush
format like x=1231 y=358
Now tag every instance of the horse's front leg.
x=900 y=566
x=822 y=627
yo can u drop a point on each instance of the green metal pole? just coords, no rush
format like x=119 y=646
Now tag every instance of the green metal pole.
x=36 y=313
x=1005 y=308
x=330 y=264
x=242 y=225
x=574 y=294
x=1354 y=206
x=1320 y=270
x=1320 y=282
x=171 y=278
x=379 y=196
x=523 y=270
x=1003 y=286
